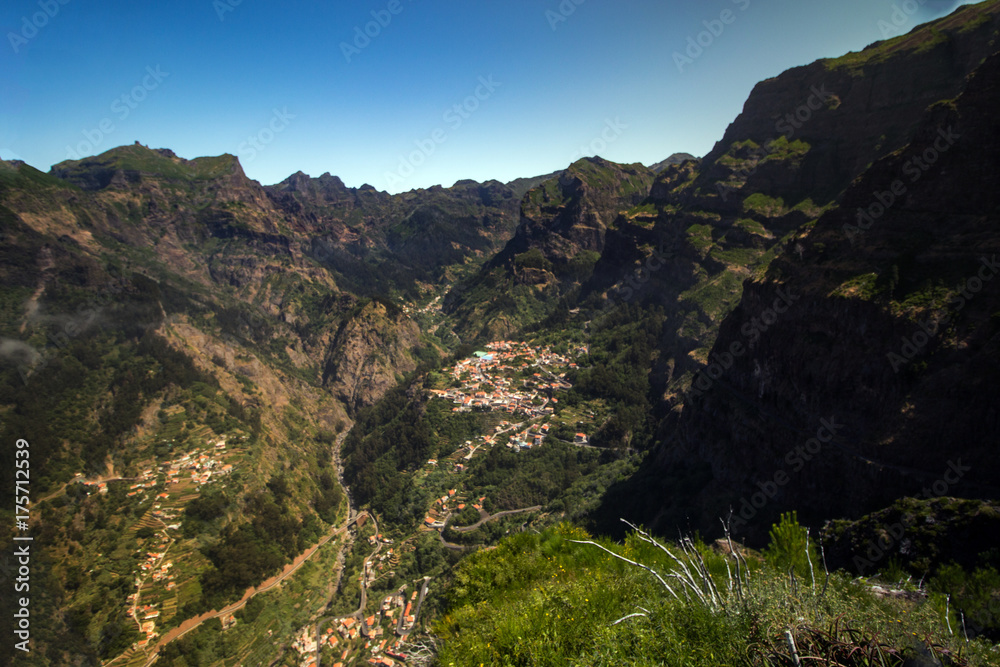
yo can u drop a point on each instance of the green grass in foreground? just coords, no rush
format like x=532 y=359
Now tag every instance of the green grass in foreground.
x=542 y=599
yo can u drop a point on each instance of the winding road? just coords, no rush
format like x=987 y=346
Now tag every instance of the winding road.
x=488 y=517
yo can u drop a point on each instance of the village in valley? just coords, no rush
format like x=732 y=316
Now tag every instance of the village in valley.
x=379 y=637
x=512 y=378
x=519 y=384
x=515 y=386
x=162 y=492
x=488 y=381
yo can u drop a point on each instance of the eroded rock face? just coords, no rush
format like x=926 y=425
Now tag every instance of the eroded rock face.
x=563 y=228
x=808 y=132
x=572 y=213
x=891 y=335
x=371 y=350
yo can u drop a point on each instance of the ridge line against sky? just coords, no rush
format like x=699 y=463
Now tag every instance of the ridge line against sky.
x=403 y=94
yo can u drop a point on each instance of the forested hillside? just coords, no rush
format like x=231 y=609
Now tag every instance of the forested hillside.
x=356 y=426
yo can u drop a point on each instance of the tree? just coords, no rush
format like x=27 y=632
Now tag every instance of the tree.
x=790 y=547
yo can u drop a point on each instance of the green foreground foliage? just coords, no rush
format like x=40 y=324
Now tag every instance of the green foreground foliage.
x=547 y=599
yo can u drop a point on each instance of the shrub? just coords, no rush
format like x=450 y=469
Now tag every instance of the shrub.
x=789 y=547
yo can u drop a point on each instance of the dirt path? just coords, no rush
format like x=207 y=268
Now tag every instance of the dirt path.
x=192 y=623
x=62 y=489
x=289 y=569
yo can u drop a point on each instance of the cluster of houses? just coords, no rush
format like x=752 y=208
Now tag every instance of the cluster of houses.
x=408 y=618
x=485 y=381
x=435 y=304
x=200 y=465
x=343 y=635
x=99 y=487
x=532 y=436
x=155 y=567
x=442 y=508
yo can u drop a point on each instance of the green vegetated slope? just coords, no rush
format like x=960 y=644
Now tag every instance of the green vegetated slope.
x=891 y=334
x=376 y=243
x=162 y=419
x=141 y=331
x=766 y=225
x=558 y=597
x=679 y=332
x=563 y=224
x=605 y=392
x=181 y=348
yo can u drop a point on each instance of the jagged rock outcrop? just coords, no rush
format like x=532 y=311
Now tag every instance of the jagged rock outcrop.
x=564 y=223
x=675 y=159
x=571 y=214
x=815 y=128
x=377 y=243
x=373 y=348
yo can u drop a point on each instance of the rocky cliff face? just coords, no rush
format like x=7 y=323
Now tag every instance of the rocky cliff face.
x=570 y=214
x=859 y=369
x=280 y=266
x=807 y=133
x=375 y=242
x=563 y=225
x=371 y=350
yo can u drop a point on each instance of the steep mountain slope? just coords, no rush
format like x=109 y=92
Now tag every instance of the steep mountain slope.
x=156 y=308
x=376 y=242
x=707 y=225
x=892 y=337
x=371 y=350
x=122 y=368
x=806 y=318
x=562 y=231
x=676 y=158
x=807 y=133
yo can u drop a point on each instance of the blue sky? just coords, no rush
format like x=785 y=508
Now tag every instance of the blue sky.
x=436 y=91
